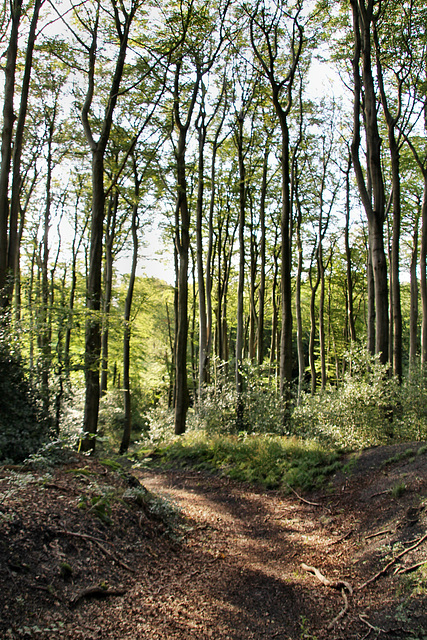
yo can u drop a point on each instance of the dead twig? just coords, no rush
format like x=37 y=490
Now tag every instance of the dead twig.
x=392 y=562
x=380 y=493
x=341 y=613
x=313 y=504
x=96 y=591
x=371 y=626
x=413 y=567
x=379 y=533
x=344 y=537
x=101 y=546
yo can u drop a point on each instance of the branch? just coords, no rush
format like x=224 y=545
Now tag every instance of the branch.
x=392 y=562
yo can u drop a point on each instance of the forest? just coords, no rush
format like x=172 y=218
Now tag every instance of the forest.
x=273 y=154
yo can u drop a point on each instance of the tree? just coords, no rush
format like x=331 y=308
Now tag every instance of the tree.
x=12 y=152
x=371 y=185
x=122 y=20
x=267 y=34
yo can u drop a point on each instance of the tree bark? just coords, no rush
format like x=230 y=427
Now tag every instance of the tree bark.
x=13 y=247
x=127 y=428
x=373 y=197
x=241 y=281
x=94 y=282
x=413 y=319
x=261 y=291
x=182 y=243
x=6 y=143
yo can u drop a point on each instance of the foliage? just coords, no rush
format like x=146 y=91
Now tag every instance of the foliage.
x=365 y=410
x=24 y=426
x=269 y=460
x=216 y=413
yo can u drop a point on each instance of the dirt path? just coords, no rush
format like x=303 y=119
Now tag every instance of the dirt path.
x=236 y=573
x=247 y=547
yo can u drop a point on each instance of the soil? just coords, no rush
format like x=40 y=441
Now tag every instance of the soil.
x=86 y=552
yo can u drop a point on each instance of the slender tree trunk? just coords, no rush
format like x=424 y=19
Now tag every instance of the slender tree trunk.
x=252 y=288
x=372 y=198
x=298 y=314
x=275 y=313
x=423 y=277
x=322 y=339
x=349 y=266
x=93 y=322
x=397 y=214
x=6 y=142
x=108 y=286
x=311 y=357
x=124 y=446
x=413 y=321
x=261 y=291
x=241 y=281
x=13 y=248
x=44 y=326
x=94 y=288
x=370 y=287
x=203 y=320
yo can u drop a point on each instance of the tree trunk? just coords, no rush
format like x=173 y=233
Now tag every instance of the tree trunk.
x=203 y=320
x=241 y=281
x=373 y=198
x=413 y=321
x=311 y=356
x=94 y=288
x=93 y=322
x=423 y=277
x=298 y=314
x=124 y=446
x=350 y=301
x=13 y=248
x=108 y=286
x=261 y=291
x=6 y=142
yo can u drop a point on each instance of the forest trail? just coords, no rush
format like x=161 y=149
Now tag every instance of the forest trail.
x=234 y=567
x=248 y=546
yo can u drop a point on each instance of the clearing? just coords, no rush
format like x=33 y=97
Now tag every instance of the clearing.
x=86 y=552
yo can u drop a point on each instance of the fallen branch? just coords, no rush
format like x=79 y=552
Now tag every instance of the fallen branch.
x=313 y=504
x=341 y=585
x=96 y=592
x=379 y=533
x=380 y=493
x=344 y=537
x=392 y=562
x=98 y=542
x=342 y=613
x=371 y=626
x=413 y=567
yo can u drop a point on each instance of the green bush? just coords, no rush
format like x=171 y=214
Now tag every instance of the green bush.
x=367 y=409
x=262 y=412
x=24 y=427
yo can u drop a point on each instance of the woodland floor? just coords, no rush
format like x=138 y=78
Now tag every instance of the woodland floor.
x=79 y=558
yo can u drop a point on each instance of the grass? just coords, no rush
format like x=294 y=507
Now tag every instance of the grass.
x=271 y=461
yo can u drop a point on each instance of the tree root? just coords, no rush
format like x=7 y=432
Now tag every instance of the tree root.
x=96 y=541
x=392 y=562
x=340 y=585
x=95 y=592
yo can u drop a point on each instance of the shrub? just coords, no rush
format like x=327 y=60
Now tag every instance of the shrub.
x=365 y=410
x=24 y=426
x=216 y=413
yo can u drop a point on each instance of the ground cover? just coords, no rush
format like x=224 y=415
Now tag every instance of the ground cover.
x=88 y=550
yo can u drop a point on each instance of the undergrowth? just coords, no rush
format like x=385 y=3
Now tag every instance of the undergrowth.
x=268 y=460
